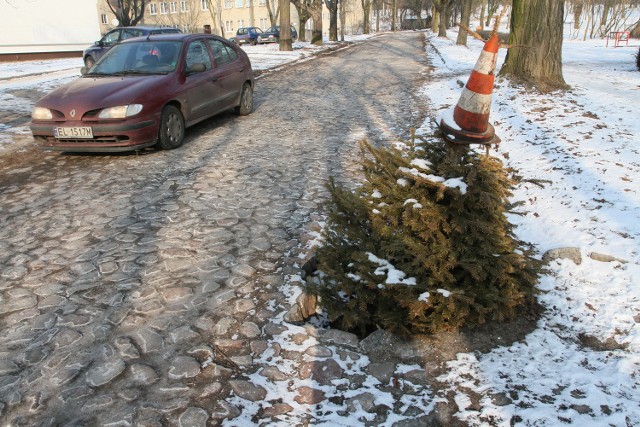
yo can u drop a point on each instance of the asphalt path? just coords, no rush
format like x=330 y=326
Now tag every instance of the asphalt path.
x=142 y=288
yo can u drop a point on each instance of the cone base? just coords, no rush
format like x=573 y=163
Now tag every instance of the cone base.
x=456 y=135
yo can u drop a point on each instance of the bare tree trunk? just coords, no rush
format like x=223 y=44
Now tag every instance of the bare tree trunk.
x=302 y=7
x=442 y=29
x=128 y=12
x=482 y=8
x=435 y=19
x=635 y=30
x=332 y=5
x=273 y=17
x=316 y=15
x=219 y=15
x=285 y=26
x=492 y=7
x=394 y=15
x=588 y=6
x=443 y=9
x=577 y=13
x=343 y=18
x=465 y=17
x=536 y=39
x=606 y=6
x=366 y=19
x=214 y=8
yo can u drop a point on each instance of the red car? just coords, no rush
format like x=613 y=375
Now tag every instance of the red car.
x=144 y=92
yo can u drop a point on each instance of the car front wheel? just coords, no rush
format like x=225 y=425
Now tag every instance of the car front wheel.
x=246 y=100
x=171 y=132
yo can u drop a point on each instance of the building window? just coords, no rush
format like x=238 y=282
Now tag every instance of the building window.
x=263 y=23
x=262 y=2
x=239 y=3
x=103 y=18
x=240 y=23
x=153 y=9
x=204 y=4
x=228 y=4
x=228 y=25
x=173 y=7
x=163 y=8
x=184 y=6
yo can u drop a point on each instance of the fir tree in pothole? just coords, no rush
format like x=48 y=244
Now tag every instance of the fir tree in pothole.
x=423 y=245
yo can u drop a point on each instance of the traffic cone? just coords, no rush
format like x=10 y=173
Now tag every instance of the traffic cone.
x=468 y=122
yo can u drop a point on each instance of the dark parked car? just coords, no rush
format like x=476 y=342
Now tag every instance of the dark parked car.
x=272 y=35
x=99 y=48
x=248 y=35
x=144 y=92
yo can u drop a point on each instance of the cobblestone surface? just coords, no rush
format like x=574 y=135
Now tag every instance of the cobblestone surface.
x=147 y=289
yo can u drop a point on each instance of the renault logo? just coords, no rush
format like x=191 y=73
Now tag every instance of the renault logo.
x=73 y=113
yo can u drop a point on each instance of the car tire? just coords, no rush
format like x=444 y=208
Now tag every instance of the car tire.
x=89 y=62
x=171 y=134
x=259 y=39
x=254 y=42
x=246 y=100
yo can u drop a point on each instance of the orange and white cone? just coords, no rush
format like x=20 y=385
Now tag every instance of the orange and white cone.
x=468 y=123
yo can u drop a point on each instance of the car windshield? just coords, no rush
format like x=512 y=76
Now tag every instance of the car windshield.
x=144 y=57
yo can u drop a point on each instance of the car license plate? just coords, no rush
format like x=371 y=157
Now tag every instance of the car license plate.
x=77 y=132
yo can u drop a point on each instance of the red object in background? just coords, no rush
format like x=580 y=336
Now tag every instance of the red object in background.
x=617 y=37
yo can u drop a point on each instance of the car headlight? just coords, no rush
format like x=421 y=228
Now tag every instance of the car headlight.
x=120 y=112
x=41 y=113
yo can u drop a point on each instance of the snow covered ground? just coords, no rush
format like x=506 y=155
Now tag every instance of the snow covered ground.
x=581 y=366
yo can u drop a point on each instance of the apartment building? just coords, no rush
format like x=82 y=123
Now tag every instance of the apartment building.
x=224 y=17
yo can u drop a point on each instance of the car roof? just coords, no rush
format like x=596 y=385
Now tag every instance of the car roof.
x=150 y=28
x=179 y=37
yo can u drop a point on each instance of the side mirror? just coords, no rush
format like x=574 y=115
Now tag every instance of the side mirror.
x=198 y=67
x=83 y=70
x=99 y=43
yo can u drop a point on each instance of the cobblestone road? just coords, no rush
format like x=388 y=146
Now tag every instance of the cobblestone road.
x=144 y=289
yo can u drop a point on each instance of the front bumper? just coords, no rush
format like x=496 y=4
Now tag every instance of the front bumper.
x=107 y=137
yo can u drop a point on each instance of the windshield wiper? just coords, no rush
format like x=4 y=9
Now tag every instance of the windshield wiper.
x=132 y=71
x=98 y=74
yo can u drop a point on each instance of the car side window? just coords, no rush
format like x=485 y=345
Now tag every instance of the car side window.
x=130 y=33
x=111 y=38
x=231 y=54
x=221 y=54
x=197 y=54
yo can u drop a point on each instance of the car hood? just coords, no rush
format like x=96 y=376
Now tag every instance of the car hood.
x=90 y=93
